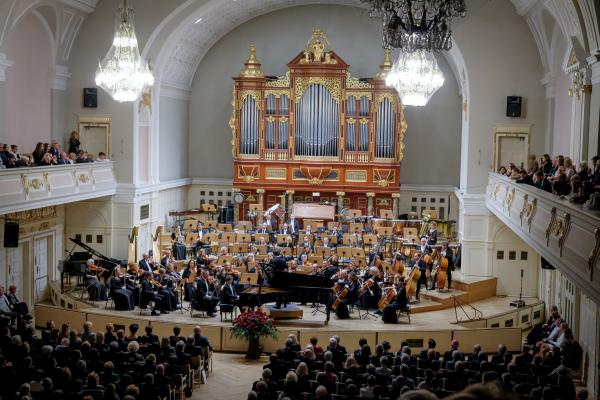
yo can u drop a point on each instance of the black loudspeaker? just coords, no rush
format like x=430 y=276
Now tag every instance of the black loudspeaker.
x=90 y=97
x=11 y=234
x=229 y=218
x=546 y=264
x=223 y=215
x=513 y=106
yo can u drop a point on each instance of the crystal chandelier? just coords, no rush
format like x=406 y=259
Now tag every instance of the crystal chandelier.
x=417 y=24
x=416 y=76
x=417 y=28
x=123 y=73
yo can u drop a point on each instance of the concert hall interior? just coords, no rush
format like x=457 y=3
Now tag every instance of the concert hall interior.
x=331 y=191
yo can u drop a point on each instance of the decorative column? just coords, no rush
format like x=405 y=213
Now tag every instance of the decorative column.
x=594 y=120
x=290 y=200
x=283 y=202
x=370 y=196
x=4 y=65
x=396 y=204
x=59 y=76
x=236 y=207
x=340 y=200
x=261 y=201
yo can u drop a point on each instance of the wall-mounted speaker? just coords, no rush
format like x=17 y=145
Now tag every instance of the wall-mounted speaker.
x=90 y=97
x=513 y=106
x=546 y=264
x=11 y=234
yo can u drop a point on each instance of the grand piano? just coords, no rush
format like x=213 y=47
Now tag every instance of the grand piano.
x=290 y=283
x=75 y=263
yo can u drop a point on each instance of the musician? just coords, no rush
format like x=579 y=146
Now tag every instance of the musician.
x=207 y=294
x=329 y=270
x=306 y=250
x=446 y=252
x=228 y=294
x=167 y=259
x=18 y=306
x=278 y=263
x=400 y=302
x=285 y=230
x=264 y=228
x=96 y=289
x=293 y=224
x=325 y=242
x=424 y=248
x=333 y=257
x=337 y=233
x=178 y=243
x=432 y=234
x=122 y=296
x=167 y=290
x=148 y=294
x=371 y=295
x=351 y=297
x=288 y=242
x=270 y=222
x=189 y=274
x=202 y=258
x=201 y=232
x=174 y=275
x=145 y=263
x=302 y=259
x=308 y=230
x=307 y=242
x=420 y=263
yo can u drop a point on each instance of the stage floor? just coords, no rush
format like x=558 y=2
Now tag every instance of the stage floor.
x=439 y=319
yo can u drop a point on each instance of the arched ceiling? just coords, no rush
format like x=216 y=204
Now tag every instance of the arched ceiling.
x=202 y=28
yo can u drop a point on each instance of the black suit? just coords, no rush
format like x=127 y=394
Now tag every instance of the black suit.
x=205 y=301
x=145 y=265
x=201 y=341
x=228 y=295
x=293 y=224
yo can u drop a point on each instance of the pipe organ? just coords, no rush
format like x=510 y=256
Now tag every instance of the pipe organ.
x=317 y=129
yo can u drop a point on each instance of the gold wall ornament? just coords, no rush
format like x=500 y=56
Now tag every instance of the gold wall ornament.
x=350 y=121
x=233 y=123
x=364 y=121
x=36 y=183
x=249 y=173
x=525 y=197
x=495 y=191
x=47 y=181
x=270 y=119
x=84 y=178
x=385 y=95
x=255 y=94
x=594 y=254
x=34 y=215
x=509 y=198
x=315 y=181
x=277 y=93
x=318 y=49
x=252 y=66
x=528 y=211
x=559 y=228
x=386 y=67
x=333 y=85
x=281 y=81
x=283 y=120
x=25 y=184
x=355 y=83
x=145 y=101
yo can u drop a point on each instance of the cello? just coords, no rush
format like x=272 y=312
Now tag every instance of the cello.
x=387 y=298
x=340 y=297
x=442 y=273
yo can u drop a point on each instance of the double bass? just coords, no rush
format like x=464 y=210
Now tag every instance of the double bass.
x=442 y=273
x=413 y=281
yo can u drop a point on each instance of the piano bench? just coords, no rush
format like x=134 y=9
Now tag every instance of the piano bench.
x=227 y=309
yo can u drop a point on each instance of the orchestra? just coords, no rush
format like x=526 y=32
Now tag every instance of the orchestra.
x=380 y=273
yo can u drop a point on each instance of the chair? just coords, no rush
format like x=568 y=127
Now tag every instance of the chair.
x=109 y=300
x=207 y=357
x=143 y=305
x=182 y=381
x=406 y=311
x=227 y=309
x=197 y=367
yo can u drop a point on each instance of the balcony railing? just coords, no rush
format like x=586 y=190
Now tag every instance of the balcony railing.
x=28 y=188
x=565 y=234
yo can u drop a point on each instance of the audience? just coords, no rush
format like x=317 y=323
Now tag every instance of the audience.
x=560 y=177
x=66 y=364
x=400 y=375
x=46 y=154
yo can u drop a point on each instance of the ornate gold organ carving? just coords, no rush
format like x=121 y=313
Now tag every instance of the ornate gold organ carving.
x=316 y=116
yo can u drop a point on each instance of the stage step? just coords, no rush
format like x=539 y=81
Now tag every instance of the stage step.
x=465 y=289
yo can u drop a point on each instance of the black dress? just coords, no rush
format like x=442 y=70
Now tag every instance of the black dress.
x=122 y=296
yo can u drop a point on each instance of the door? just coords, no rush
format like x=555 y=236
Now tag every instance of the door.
x=15 y=267
x=40 y=257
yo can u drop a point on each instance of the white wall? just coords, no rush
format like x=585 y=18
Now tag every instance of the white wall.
x=433 y=136
x=562 y=102
x=174 y=134
x=27 y=109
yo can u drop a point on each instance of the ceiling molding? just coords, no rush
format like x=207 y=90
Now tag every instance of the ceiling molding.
x=87 y=6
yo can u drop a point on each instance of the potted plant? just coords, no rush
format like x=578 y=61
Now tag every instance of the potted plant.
x=251 y=325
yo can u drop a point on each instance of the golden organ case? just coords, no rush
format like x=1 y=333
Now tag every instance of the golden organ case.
x=317 y=130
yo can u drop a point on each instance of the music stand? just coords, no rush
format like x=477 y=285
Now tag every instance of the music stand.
x=333 y=239
x=286 y=251
x=210 y=238
x=189 y=224
x=354 y=213
x=385 y=231
x=386 y=214
x=315 y=259
x=301 y=238
x=249 y=278
x=345 y=252
x=223 y=259
x=361 y=262
x=358 y=253
x=244 y=237
x=211 y=223
x=257 y=237
x=370 y=239
x=356 y=227
x=323 y=251
x=262 y=249
x=228 y=237
x=225 y=227
x=208 y=208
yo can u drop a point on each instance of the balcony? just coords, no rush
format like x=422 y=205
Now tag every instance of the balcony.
x=29 y=188
x=565 y=234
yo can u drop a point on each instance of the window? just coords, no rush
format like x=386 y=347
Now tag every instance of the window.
x=99 y=239
x=523 y=256
x=219 y=193
x=442 y=200
x=78 y=236
x=441 y=212
x=500 y=255
x=202 y=193
x=145 y=211
x=414 y=199
x=413 y=209
x=432 y=200
x=211 y=193
x=423 y=199
x=88 y=238
x=512 y=255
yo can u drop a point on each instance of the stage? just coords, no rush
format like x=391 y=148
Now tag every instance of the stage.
x=496 y=322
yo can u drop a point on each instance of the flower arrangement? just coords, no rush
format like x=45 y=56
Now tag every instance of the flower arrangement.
x=252 y=325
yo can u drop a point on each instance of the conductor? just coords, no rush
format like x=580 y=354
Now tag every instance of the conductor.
x=278 y=264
